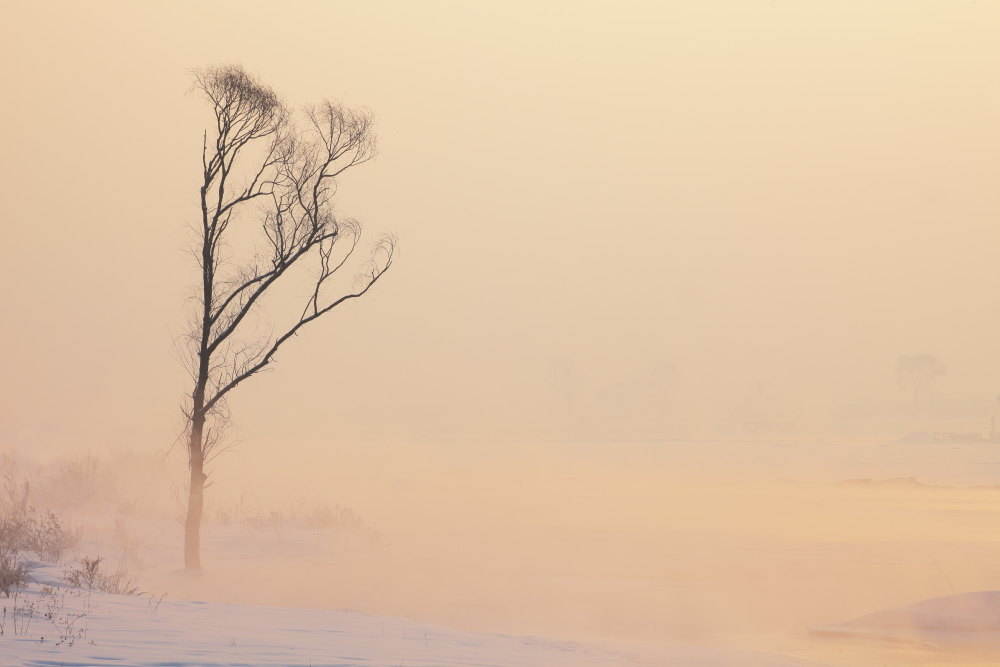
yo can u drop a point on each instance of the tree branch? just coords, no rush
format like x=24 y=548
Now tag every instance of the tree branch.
x=386 y=246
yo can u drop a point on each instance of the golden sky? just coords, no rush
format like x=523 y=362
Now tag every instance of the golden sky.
x=614 y=218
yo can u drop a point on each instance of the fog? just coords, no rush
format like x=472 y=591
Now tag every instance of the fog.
x=658 y=266
x=742 y=544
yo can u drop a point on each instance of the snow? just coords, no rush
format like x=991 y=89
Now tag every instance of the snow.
x=964 y=621
x=58 y=625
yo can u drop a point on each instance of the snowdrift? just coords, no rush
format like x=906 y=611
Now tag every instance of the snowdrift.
x=53 y=624
x=967 y=621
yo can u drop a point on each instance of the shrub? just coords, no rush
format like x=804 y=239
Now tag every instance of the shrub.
x=77 y=482
x=23 y=530
x=87 y=576
x=13 y=571
x=344 y=520
x=47 y=538
x=13 y=534
x=14 y=505
x=93 y=577
x=45 y=535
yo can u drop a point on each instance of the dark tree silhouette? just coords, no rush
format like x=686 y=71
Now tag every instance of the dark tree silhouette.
x=268 y=179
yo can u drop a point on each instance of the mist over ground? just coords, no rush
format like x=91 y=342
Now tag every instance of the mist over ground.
x=739 y=544
x=671 y=276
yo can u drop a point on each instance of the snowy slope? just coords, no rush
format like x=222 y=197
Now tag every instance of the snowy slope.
x=62 y=626
x=966 y=621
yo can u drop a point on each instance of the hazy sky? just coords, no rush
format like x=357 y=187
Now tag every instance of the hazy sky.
x=613 y=217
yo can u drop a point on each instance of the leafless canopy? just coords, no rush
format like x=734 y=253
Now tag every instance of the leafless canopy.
x=275 y=171
x=916 y=370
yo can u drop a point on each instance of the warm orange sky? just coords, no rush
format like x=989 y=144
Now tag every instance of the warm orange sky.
x=612 y=216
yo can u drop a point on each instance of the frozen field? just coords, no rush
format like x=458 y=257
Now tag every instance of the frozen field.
x=66 y=627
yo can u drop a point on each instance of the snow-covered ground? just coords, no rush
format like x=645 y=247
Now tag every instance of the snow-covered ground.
x=964 y=622
x=51 y=624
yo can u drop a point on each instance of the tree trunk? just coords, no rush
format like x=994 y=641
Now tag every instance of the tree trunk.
x=196 y=498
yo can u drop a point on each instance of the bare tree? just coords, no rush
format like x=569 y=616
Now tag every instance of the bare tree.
x=914 y=371
x=268 y=180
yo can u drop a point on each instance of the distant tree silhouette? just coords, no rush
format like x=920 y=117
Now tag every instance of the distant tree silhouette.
x=915 y=371
x=268 y=177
